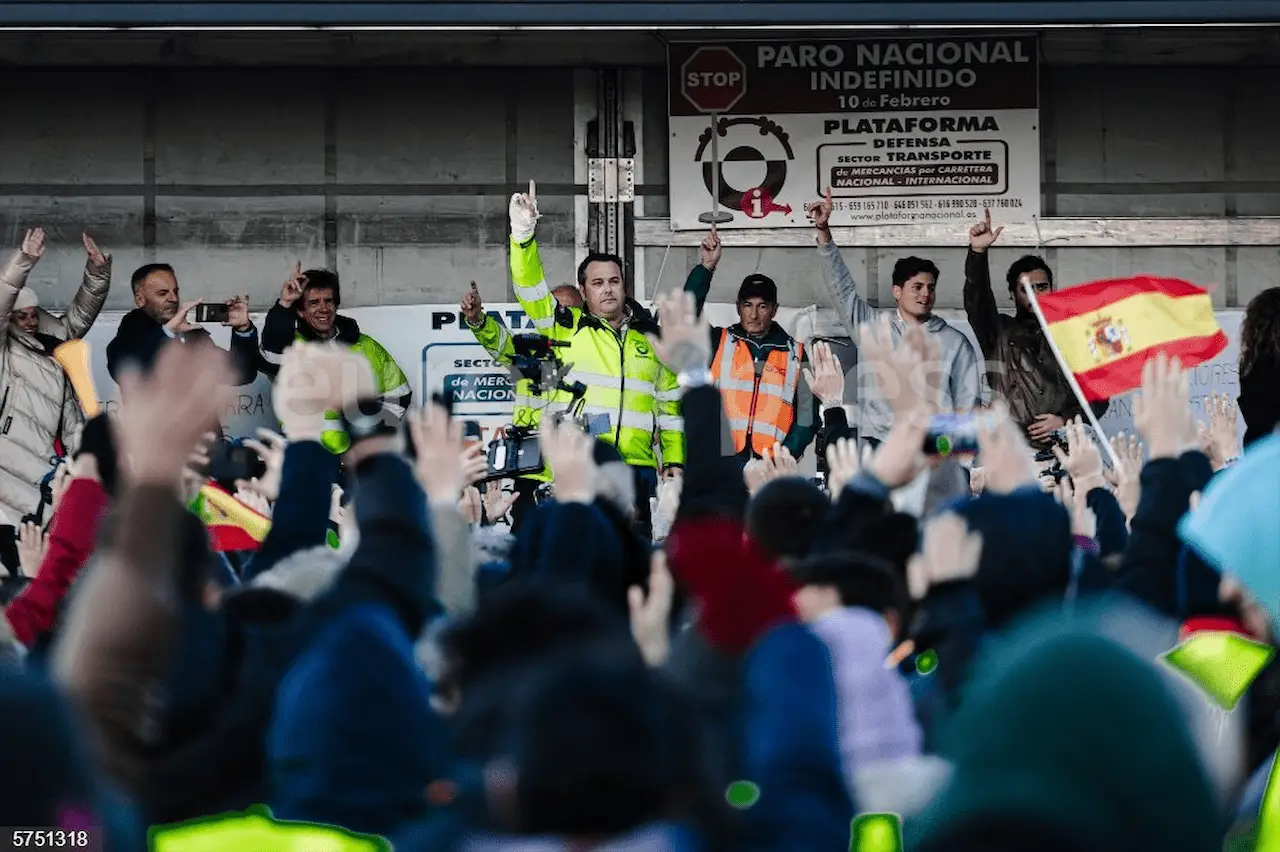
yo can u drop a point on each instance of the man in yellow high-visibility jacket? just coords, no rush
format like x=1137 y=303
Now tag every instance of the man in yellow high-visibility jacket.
x=609 y=353
x=526 y=411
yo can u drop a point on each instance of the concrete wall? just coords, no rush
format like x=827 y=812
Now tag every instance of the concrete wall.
x=227 y=175
x=230 y=173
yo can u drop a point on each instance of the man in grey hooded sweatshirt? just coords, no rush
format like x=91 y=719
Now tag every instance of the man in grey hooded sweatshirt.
x=915 y=281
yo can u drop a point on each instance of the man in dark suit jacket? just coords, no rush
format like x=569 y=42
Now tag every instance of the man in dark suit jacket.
x=159 y=317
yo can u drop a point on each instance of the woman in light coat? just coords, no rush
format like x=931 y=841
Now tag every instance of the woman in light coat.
x=38 y=408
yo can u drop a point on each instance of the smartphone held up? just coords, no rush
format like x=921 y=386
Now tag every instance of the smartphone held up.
x=212 y=312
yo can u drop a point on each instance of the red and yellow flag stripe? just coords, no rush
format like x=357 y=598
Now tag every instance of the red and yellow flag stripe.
x=231 y=524
x=1106 y=331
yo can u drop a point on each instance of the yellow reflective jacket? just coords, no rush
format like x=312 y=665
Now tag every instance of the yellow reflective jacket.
x=625 y=379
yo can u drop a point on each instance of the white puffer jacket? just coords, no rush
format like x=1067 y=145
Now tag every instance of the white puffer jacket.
x=34 y=393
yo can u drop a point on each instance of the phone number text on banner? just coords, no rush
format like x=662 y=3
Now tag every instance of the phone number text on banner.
x=903 y=131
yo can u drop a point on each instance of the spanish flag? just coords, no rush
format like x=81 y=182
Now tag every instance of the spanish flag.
x=1106 y=331
x=232 y=525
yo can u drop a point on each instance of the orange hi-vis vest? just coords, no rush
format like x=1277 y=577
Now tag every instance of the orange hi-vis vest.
x=760 y=406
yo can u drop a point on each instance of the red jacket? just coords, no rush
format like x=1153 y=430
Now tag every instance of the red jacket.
x=72 y=535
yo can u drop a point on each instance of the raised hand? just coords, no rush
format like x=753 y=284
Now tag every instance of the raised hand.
x=780 y=462
x=1161 y=413
x=33 y=543
x=819 y=212
x=569 y=452
x=949 y=552
x=523 y=212
x=843 y=465
x=291 y=289
x=475 y=462
x=498 y=502
x=902 y=372
x=179 y=321
x=826 y=379
x=1220 y=440
x=651 y=615
x=1126 y=480
x=249 y=493
x=166 y=412
x=440 y=448
x=469 y=505
x=1007 y=459
x=271 y=450
x=981 y=235
x=314 y=378
x=238 y=313
x=686 y=337
x=1082 y=460
x=710 y=250
x=33 y=244
x=1074 y=499
x=472 y=306
x=97 y=259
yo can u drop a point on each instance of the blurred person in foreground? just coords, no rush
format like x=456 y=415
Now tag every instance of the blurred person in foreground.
x=42 y=417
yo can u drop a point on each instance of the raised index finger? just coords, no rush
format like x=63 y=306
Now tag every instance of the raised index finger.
x=986 y=211
x=533 y=189
x=827 y=195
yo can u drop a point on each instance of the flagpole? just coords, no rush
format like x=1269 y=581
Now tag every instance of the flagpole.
x=1071 y=377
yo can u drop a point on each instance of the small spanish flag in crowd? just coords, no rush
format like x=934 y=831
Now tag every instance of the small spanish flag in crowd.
x=232 y=525
x=1106 y=331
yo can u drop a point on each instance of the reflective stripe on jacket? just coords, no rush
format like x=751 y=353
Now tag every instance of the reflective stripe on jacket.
x=759 y=396
x=625 y=380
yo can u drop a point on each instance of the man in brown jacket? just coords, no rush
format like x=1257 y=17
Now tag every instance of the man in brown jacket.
x=1020 y=365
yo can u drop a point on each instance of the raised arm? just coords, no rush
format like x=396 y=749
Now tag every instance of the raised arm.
x=854 y=310
x=13 y=277
x=529 y=281
x=92 y=295
x=979 y=300
x=488 y=331
x=698 y=281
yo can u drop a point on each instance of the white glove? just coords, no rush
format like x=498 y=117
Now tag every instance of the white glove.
x=524 y=214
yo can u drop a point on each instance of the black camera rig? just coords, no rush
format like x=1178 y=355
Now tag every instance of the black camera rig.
x=517 y=452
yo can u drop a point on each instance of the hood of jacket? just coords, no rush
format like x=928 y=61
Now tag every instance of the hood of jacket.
x=876 y=719
x=1070 y=732
x=1026 y=550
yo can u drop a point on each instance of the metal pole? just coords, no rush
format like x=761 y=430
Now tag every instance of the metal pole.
x=714 y=216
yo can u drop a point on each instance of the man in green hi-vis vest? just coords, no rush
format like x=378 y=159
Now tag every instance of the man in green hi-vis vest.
x=308 y=311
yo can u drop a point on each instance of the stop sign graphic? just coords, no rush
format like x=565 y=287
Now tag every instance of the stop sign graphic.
x=713 y=79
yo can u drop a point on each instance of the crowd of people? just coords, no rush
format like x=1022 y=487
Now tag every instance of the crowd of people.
x=660 y=611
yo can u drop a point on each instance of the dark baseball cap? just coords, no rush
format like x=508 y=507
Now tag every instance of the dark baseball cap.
x=758 y=286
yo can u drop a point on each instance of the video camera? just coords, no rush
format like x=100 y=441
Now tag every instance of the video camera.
x=517 y=452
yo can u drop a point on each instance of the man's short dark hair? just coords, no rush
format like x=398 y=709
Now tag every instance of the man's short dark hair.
x=785 y=516
x=909 y=267
x=140 y=274
x=320 y=279
x=1023 y=265
x=597 y=257
x=861 y=580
